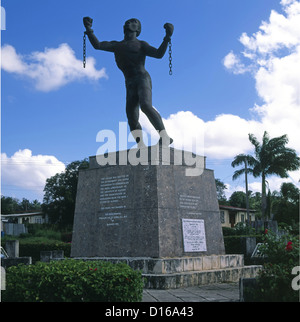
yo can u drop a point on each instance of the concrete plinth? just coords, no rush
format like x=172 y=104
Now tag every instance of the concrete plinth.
x=137 y=209
x=171 y=273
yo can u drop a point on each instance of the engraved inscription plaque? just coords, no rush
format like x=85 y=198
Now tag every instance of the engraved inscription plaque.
x=113 y=192
x=194 y=239
x=188 y=201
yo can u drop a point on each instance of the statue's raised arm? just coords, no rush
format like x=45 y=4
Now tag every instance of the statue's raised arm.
x=159 y=52
x=100 y=45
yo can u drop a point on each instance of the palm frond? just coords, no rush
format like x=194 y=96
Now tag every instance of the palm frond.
x=238 y=173
x=255 y=142
x=265 y=139
x=278 y=143
x=238 y=160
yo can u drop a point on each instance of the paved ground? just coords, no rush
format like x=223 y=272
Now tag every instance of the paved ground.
x=225 y=292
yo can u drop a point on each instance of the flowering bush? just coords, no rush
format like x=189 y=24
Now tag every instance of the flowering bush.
x=274 y=281
x=73 y=281
x=289 y=246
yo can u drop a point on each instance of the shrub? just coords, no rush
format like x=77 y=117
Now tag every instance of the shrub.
x=274 y=280
x=233 y=243
x=242 y=228
x=227 y=231
x=33 y=247
x=66 y=237
x=42 y=230
x=73 y=281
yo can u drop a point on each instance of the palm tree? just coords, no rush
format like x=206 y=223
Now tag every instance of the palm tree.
x=272 y=157
x=247 y=160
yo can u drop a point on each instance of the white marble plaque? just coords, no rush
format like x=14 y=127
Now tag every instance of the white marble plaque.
x=194 y=239
x=113 y=192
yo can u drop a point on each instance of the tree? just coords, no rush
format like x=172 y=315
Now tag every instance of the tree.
x=221 y=187
x=11 y=205
x=286 y=205
x=25 y=205
x=272 y=157
x=238 y=199
x=238 y=160
x=255 y=202
x=60 y=194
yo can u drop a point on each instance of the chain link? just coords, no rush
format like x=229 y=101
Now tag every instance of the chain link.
x=84 y=50
x=170 y=57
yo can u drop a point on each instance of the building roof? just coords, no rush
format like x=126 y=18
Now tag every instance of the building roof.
x=235 y=208
x=22 y=215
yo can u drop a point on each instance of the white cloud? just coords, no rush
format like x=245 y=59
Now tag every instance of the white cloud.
x=276 y=75
x=224 y=137
x=227 y=136
x=50 y=69
x=281 y=31
x=272 y=56
x=233 y=62
x=29 y=171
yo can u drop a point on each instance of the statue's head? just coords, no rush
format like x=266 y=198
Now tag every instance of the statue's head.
x=132 y=25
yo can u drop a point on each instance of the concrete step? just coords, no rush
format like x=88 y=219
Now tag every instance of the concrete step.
x=203 y=277
x=177 y=264
x=171 y=273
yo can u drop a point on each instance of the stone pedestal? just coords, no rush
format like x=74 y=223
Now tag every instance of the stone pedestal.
x=156 y=210
x=153 y=202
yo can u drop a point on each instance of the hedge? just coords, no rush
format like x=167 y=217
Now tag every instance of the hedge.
x=33 y=249
x=233 y=243
x=73 y=281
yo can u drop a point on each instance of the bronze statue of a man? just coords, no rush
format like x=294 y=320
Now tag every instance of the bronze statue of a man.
x=130 y=56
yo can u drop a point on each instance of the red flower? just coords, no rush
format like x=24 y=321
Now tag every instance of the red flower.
x=266 y=231
x=289 y=246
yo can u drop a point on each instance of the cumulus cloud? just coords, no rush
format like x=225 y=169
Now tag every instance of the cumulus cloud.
x=276 y=73
x=279 y=32
x=223 y=137
x=28 y=171
x=272 y=57
x=51 y=69
x=233 y=62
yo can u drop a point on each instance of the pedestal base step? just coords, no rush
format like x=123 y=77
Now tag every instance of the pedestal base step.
x=167 y=273
x=176 y=265
x=194 y=278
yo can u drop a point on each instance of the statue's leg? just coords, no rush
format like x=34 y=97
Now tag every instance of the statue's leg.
x=145 y=95
x=132 y=112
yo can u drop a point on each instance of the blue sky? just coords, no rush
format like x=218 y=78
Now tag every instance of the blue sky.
x=230 y=63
